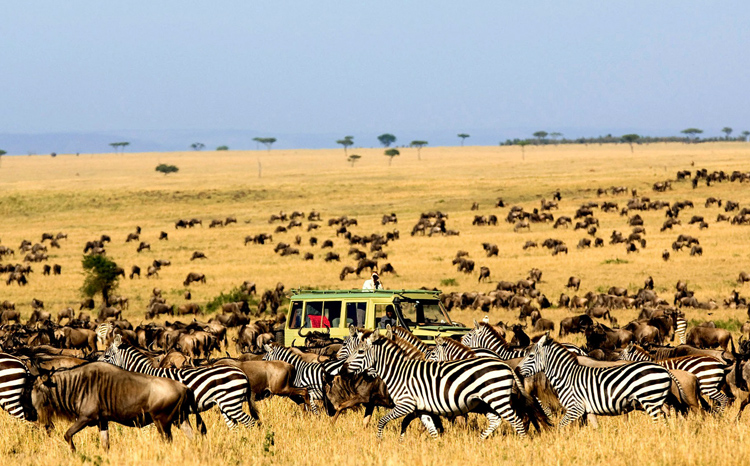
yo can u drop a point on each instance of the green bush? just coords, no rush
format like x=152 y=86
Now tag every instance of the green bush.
x=732 y=325
x=222 y=148
x=166 y=169
x=449 y=282
x=233 y=296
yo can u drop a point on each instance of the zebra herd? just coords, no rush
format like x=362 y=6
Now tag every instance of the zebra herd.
x=449 y=379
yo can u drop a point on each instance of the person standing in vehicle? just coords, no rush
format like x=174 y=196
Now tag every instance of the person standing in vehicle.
x=373 y=283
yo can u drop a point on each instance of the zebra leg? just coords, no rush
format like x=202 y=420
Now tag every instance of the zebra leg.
x=721 y=400
x=228 y=420
x=400 y=410
x=655 y=411
x=429 y=425
x=506 y=412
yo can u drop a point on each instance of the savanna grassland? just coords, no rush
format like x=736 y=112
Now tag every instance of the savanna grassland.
x=89 y=195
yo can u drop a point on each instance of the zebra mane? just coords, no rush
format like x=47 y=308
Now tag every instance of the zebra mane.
x=387 y=342
x=641 y=351
x=459 y=347
x=567 y=354
x=409 y=350
x=408 y=336
x=493 y=331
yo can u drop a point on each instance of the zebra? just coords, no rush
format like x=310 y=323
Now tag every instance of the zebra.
x=13 y=379
x=309 y=375
x=680 y=328
x=103 y=331
x=411 y=338
x=224 y=386
x=598 y=390
x=484 y=337
x=709 y=371
x=443 y=388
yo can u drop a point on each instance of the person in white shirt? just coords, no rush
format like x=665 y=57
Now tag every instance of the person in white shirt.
x=373 y=283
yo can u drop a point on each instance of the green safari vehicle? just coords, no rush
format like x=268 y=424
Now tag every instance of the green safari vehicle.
x=420 y=311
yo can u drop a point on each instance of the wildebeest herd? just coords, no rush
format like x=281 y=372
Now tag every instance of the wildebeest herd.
x=164 y=373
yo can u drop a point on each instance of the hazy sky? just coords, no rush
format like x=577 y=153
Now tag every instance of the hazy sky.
x=363 y=68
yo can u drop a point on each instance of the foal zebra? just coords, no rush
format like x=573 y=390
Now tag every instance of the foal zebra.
x=680 y=328
x=308 y=375
x=224 y=386
x=709 y=371
x=484 y=337
x=13 y=377
x=593 y=390
x=442 y=388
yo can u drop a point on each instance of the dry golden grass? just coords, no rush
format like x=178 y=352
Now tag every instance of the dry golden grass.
x=86 y=196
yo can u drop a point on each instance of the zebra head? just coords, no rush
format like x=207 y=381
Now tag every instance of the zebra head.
x=470 y=338
x=113 y=355
x=439 y=353
x=351 y=343
x=364 y=358
x=273 y=352
x=633 y=352
x=536 y=360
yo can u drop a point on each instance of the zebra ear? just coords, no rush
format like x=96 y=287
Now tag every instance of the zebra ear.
x=118 y=340
x=389 y=331
x=476 y=324
x=374 y=337
x=267 y=348
x=352 y=330
x=439 y=340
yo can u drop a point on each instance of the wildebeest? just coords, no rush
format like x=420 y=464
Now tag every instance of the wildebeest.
x=484 y=273
x=575 y=324
x=198 y=255
x=574 y=282
x=143 y=246
x=95 y=394
x=135 y=270
x=707 y=337
x=194 y=277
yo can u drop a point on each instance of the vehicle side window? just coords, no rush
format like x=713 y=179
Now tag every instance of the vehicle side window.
x=332 y=311
x=314 y=317
x=355 y=314
x=295 y=317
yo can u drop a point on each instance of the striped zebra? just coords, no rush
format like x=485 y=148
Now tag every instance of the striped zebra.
x=709 y=371
x=308 y=375
x=103 y=331
x=442 y=388
x=598 y=390
x=13 y=379
x=680 y=328
x=401 y=332
x=224 y=386
x=484 y=336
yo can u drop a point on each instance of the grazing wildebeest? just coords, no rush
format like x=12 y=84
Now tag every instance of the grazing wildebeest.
x=163 y=236
x=576 y=324
x=198 y=255
x=194 y=277
x=574 y=282
x=135 y=270
x=484 y=273
x=143 y=246
x=95 y=394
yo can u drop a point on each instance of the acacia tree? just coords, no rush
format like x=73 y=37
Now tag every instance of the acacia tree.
x=463 y=137
x=540 y=135
x=353 y=159
x=691 y=133
x=386 y=139
x=554 y=136
x=119 y=146
x=390 y=153
x=523 y=145
x=745 y=134
x=419 y=145
x=197 y=145
x=727 y=130
x=630 y=139
x=2 y=152
x=268 y=142
x=101 y=276
x=346 y=142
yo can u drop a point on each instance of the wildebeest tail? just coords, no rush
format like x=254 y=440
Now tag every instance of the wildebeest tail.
x=528 y=408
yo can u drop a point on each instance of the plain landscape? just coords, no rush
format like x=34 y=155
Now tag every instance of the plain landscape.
x=89 y=195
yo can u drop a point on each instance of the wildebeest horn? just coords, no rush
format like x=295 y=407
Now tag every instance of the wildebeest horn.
x=150 y=346
x=328 y=329
x=299 y=332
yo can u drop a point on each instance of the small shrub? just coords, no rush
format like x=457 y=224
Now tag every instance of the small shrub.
x=222 y=148
x=167 y=169
x=233 y=296
x=615 y=261
x=732 y=325
x=449 y=282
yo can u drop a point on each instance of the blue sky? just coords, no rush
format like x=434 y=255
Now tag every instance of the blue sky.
x=296 y=70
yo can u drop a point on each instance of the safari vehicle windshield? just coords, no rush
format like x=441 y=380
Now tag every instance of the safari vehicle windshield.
x=418 y=313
